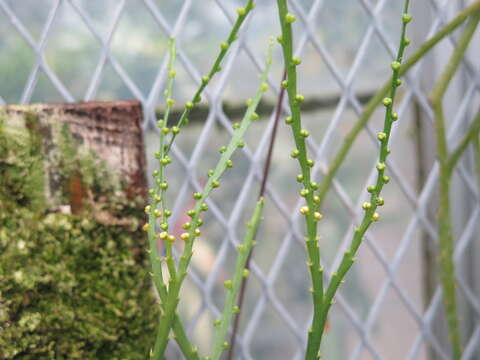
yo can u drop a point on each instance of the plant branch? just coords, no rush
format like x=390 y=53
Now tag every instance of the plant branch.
x=310 y=210
x=370 y=107
x=470 y=135
x=266 y=172
x=205 y=80
x=233 y=286
x=375 y=190
x=447 y=265
x=192 y=227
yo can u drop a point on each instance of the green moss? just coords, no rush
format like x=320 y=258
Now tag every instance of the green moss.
x=71 y=287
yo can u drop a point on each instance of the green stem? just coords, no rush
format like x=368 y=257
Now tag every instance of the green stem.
x=470 y=135
x=446 y=240
x=193 y=226
x=158 y=198
x=375 y=200
x=233 y=286
x=310 y=211
x=370 y=107
x=224 y=47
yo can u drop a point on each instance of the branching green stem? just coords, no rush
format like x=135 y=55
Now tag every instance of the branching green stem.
x=157 y=198
x=470 y=135
x=224 y=47
x=370 y=107
x=375 y=190
x=233 y=286
x=200 y=206
x=310 y=211
x=447 y=266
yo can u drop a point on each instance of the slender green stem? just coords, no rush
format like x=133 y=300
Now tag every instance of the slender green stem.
x=375 y=190
x=157 y=198
x=470 y=135
x=261 y=194
x=233 y=286
x=310 y=210
x=224 y=47
x=370 y=107
x=447 y=266
x=192 y=227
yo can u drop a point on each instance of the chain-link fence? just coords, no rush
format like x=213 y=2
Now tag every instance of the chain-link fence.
x=391 y=306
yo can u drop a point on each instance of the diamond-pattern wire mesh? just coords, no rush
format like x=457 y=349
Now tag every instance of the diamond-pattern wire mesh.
x=359 y=327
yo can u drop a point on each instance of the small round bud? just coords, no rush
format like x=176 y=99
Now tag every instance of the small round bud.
x=197 y=196
x=165 y=130
x=290 y=18
x=170 y=102
x=226 y=345
x=316 y=199
x=228 y=284
x=222 y=149
x=167 y=213
x=158 y=155
x=147 y=209
x=294 y=154
x=164 y=226
x=249 y=102
x=205 y=79
x=406 y=41
x=197 y=232
x=175 y=130
x=185 y=236
x=366 y=205
x=299 y=177
x=240 y=144
x=304 y=133
x=380 y=166
x=199 y=222
x=386 y=179
x=160 y=123
x=387 y=101
x=189 y=105
x=299 y=98
x=236 y=126
x=279 y=39
x=381 y=136
x=191 y=213
x=395 y=65
x=394 y=116
x=371 y=188
x=264 y=86
x=164 y=186
x=210 y=173
x=317 y=216
x=304 y=210
x=376 y=216
x=217 y=322
x=241 y=11
x=313 y=185
x=296 y=61
x=223 y=45
x=204 y=207
x=163 y=235
x=245 y=273
x=186 y=226
x=229 y=164
x=215 y=184
x=304 y=192
x=380 y=201
x=406 y=18
x=284 y=84
x=157 y=213
x=399 y=82
x=146 y=227
x=255 y=116
x=289 y=120
x=158 y=198
x=310 y=162
x=171 y=238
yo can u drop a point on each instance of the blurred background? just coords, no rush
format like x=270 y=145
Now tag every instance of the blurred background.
x=389 y=308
